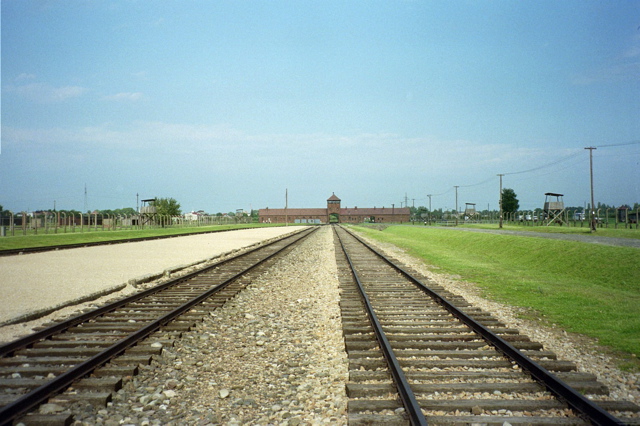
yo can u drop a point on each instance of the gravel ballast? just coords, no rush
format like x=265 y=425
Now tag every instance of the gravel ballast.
x=272 y=355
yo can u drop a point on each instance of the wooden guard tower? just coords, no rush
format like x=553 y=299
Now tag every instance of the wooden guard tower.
x=470 y=212
x=554 y=208
x=147 y=211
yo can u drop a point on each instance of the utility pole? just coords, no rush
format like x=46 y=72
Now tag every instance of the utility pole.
x=500 y=219
x=593 y=208
x=456 y=187
x=429 y=195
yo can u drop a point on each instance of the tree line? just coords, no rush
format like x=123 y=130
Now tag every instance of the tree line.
x=510 y=204
x=164 y=206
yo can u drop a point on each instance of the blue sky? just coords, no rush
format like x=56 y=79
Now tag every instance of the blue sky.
x=225 y=105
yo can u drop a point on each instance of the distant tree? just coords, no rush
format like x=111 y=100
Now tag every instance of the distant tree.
x=510 y=203
x=125 y=211
x=119 y=212
x=437 y=213
x=417 y=212
x=167 y=207
x=69 y=212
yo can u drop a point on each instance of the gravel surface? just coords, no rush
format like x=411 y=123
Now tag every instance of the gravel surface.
x=41 y=283
x=273 y=355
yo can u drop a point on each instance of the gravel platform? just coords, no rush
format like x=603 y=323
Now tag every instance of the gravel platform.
x=33 y=285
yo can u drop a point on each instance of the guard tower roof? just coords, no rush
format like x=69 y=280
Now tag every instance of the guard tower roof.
x=553 y=194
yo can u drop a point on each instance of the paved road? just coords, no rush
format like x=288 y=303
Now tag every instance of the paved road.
x=585 y=238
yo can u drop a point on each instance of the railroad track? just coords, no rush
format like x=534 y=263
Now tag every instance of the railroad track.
x=419 y=354
x=85 y=358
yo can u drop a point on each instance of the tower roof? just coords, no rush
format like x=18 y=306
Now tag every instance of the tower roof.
x=333 y=198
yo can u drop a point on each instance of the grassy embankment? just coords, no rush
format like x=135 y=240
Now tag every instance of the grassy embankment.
x=43 y=240
x=584 y=288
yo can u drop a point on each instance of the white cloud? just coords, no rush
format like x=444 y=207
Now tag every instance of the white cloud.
x=25 y=76
x=632 y=52
x=140 y=74
x=45 y=93
x=627 y=71
x=377 y=167
x=125 y=96
x=468 y=160
x=623 y=67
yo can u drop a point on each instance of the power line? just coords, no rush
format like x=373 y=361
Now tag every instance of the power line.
x=477 y=184
x=555 y=170
x=442 y=193
x=552 y=163
x=618 y=144
x=546 y=165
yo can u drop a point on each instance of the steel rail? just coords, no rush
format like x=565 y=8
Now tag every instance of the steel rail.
x=22 y=405
x=581 y=405
x=30 y=339
x=402 y=384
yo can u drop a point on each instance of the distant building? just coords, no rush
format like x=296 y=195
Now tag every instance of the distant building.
x=192 y=216
x=334 y=213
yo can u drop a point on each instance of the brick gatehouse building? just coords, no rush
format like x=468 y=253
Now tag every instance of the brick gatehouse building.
x=335 y=214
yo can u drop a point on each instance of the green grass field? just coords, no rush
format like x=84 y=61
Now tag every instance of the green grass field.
x=43 y=240
x=583 y=288
x=600 y=232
